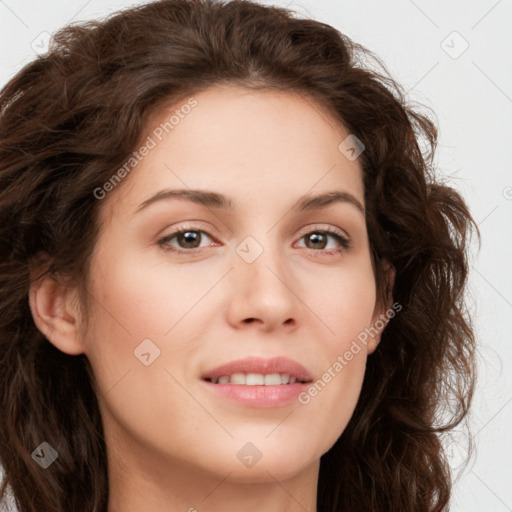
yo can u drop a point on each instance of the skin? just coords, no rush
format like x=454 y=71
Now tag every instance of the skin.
x=172 y=445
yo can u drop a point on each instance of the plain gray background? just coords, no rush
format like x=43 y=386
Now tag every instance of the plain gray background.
x=455 y=58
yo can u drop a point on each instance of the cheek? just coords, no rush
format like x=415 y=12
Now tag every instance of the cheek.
x=345 y=304
x=135 y=300
x=330 y=400
x=138 y=299
x=131 y=304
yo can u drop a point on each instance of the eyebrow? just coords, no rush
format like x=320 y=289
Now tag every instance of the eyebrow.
x=221 y=202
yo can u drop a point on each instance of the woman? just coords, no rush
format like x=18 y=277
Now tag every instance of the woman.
x=229 y=276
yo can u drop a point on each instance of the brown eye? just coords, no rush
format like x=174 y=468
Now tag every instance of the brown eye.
x=186 y=240
x=319 y=239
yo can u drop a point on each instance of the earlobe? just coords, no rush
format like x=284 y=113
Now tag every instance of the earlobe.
x=55 y=313
x=382 y=310
x=373 y=341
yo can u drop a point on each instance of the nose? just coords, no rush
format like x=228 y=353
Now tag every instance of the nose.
x=264 y=293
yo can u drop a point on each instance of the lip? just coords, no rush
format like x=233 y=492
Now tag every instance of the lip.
x=259 y=396
x=260 y=365
x=262 y=397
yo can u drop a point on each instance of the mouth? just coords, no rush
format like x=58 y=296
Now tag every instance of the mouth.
x=257 y=379
x=257 y=382
x=256 y=371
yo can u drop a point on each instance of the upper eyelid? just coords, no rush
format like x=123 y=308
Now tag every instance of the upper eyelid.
x=319 y=227
x=315 y=226
x=332 y=230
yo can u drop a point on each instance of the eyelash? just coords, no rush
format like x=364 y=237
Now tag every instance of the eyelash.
x=343 y=240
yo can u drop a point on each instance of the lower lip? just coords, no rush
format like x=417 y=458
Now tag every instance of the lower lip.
x=259 y=396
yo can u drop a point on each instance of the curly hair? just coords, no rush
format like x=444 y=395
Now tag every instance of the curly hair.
x=74 y=114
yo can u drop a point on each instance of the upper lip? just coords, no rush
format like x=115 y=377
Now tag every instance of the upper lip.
x=261 y=365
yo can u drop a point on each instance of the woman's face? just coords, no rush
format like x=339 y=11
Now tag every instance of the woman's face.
x=258 y=278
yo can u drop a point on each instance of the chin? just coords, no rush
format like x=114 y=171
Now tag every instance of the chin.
x=274 y=464
x=265 y=473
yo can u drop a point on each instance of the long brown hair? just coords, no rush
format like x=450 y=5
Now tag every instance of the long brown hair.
x=71 y=117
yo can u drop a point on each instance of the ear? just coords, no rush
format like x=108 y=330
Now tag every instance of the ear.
x=384 y=309
x=55 y=311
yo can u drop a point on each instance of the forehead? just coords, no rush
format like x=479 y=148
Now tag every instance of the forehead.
x=259 y=145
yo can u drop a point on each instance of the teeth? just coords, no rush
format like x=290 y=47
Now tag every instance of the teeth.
x=256 y=379
x=272 y=379
x=238 y=378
